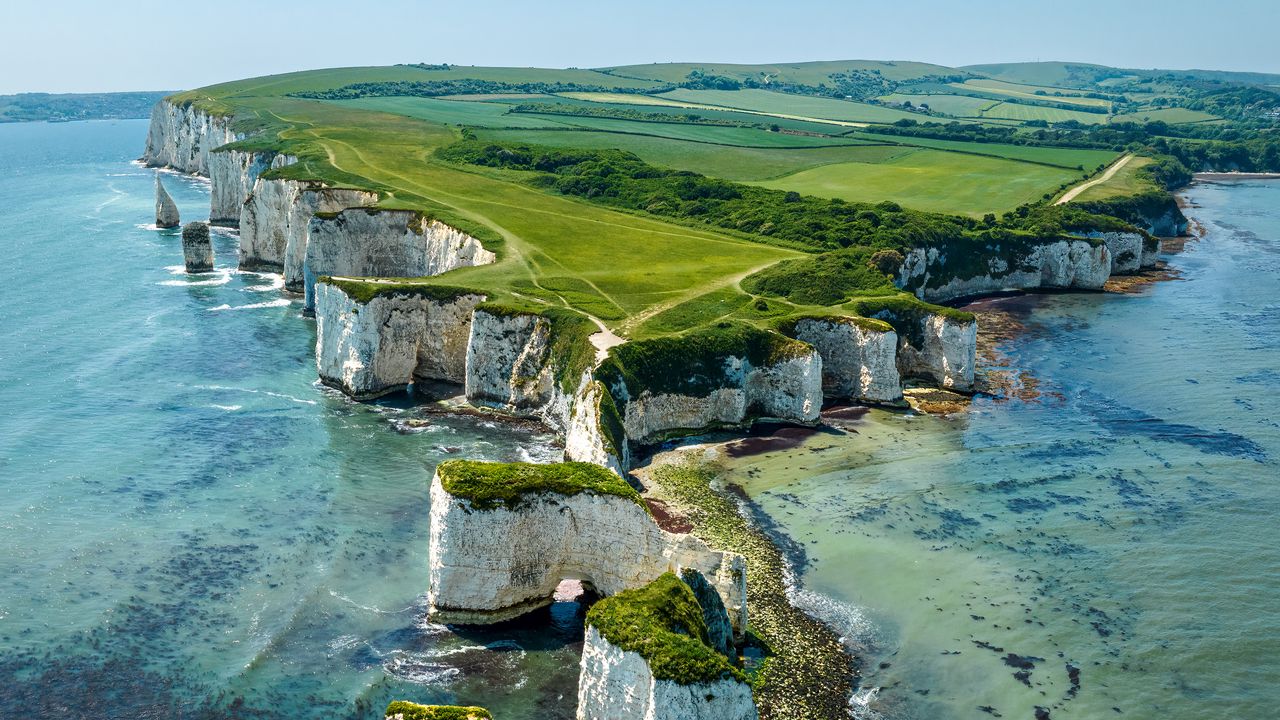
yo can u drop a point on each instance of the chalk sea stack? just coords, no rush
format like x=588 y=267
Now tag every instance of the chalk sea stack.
x=166 y=210
x=197 y=251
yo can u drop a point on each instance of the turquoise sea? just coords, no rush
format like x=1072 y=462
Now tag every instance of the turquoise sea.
x=190 y=527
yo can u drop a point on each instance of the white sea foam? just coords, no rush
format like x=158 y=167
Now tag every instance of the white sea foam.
x=256 y=392
x=223 y=277
x=254 y=306
x=228 y=408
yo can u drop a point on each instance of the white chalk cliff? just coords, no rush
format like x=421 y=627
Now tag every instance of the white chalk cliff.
x=368 y=242
x=182 y=137
x=859 y=357
x=1057 y=264
x=944 y=351
x=615 y=684
x=232 y=174
x=489 y=565
x=371 y=349
x=789 y=389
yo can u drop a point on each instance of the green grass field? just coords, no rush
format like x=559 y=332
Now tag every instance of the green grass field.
x=1018 y=111
x=932 y=180
x=956 y=105
x=1063 y=157
x=1126 y=181
x=806 y=106
x=741 y=164
x=1173 y=116
x=1029 y=92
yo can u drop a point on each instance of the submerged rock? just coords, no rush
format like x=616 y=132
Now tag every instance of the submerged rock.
x=197 y=250
x=166 y=209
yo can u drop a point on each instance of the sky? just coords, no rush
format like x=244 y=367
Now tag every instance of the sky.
x=95 y=46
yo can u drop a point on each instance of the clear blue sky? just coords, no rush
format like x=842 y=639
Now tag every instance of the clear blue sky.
x=89 y=45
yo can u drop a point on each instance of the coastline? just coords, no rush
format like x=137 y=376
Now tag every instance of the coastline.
x=1220 y=176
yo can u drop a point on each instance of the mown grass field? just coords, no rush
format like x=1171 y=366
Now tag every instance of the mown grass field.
x=1020 y=112
x=932 y=180
x=740 y=164
x=610 y=259
x=1127 y=181
x=792 y=105
x=1063 y=157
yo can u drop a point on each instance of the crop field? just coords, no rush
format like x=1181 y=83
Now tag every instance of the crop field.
x=1018 y=111
x=741 y=164
x=932 y=180
x=1173 y=116
x=956 y=105
x=1028 y=92
x=452 y=112
x=802 y=106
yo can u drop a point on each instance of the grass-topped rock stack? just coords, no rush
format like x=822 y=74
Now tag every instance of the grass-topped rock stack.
x=504 y=535
x=725 y=376
x=402 y=710
x=648 y=656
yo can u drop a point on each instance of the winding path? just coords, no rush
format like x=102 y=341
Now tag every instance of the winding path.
x=1074 y=192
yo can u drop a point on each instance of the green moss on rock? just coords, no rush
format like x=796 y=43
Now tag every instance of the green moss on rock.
x=693 y=363
x=662 y=622
x=492 y=485
x=413 y=711
x=363 y=291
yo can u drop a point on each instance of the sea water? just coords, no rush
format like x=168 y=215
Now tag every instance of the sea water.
x=191 y=527
x=1108 y=549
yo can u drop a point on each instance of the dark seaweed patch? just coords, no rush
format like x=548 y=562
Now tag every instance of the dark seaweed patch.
x=1130 y=422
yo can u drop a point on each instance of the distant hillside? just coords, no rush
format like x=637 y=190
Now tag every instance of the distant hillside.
x=1086 y=75
x=29 y=107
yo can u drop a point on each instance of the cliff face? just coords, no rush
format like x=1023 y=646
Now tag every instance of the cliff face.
x=1130 y=252
x=934 y=276
x=358 y=242
x=182 y=137
x=489 y=565
x=232 y=174
x=942 y=350
x=374 y=348
x=507 y=363
x=859 y=361
x=275 y=220
x=615 y=684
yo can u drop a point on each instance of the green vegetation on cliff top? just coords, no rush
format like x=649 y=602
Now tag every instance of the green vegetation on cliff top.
x=401 y=710
x=663 y=623
x=492 y=485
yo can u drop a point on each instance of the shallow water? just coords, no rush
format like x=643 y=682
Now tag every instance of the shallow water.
x=189 y=525
x=1120 y=531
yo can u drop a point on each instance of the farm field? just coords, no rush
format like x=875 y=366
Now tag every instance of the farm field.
x=957 y=105
x=742 y=164
x=1127 y=181
x=1173 y=116
x=1063 y=157
x=931 y=180
x=1028 y=92
x=792 y=105
x=1018 y=111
